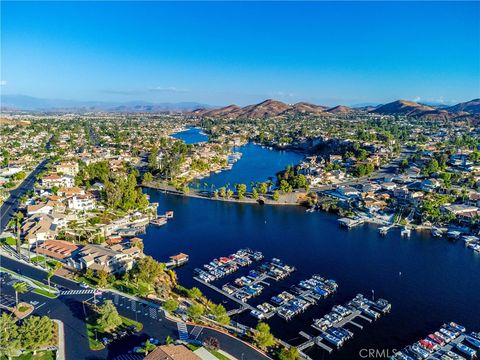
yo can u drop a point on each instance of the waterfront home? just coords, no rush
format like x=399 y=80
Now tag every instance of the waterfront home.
x=179 y=259
x=57 y=249
x=97 y=257
x=458 y=209
x=348 y=192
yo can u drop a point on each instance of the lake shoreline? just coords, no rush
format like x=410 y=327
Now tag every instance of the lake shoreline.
x=206 y=194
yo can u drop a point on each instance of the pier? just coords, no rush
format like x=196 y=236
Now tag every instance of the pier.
x=231 y=297
x=350 y=223
x=331 y=326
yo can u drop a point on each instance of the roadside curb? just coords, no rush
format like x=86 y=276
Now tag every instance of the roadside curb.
x=61 y=340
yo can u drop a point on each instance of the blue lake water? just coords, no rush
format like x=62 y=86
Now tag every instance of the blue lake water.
x=192 y=135
x=428 y=280
x=256 y=164
x=439 y=281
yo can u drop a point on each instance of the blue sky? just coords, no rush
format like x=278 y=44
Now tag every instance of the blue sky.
x=224 y=52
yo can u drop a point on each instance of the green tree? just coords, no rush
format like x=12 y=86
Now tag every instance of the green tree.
x=147 y=270
x=220 y=314
x=147 y=177
x=254 y=193
x=276 y=195
x=241 y=190
x=9 y=337
x=36 y=332
x=289 y=354
x=170 y=305
x=102 y=278
x=18 y=225
x=108 y=319
x=168 y=340
x=194 y=293
x=195 y=311
x=262 y=336
x=20 y=288
x=263 y=188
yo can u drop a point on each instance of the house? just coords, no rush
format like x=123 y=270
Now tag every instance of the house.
x=348 y=192
x=458 y=209
x=70 y=191
x=57 y=249
x=68 y=168
x=39 y=227
x=179 y=259
x=81 y=203
x=55 y=179
x=172 y=352
x=430 y=185
x=40 y=208
x=97 y=257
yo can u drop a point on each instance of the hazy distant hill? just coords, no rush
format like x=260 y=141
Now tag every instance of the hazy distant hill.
x=24 y=102
x=472 y=107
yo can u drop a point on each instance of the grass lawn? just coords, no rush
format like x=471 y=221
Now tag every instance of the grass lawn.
x=41 y=355
x=218 y=355
x=141 y=289
x=44 y=293
x=193 y=347
x=91 y=326
x=92 y=343
x=10 y=241
x=38 y=259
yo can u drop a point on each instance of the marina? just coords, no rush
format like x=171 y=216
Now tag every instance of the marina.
x=332 y=326
x=450 y=342
x=357 y=259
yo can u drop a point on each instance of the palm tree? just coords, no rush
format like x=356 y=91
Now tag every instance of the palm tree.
x=20 y=288
x=52 y=272
x=18 y=224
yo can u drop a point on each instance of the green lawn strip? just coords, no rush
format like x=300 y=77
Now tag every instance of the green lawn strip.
x=193 y=347
x=38 y=283
x=40 y=355
x=38 y=259
x=129 y=322
x=92 y=343
x=218 y=355
x=10 y=241
x=44 y=293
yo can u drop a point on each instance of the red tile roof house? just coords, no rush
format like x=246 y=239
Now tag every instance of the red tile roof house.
x=57 y=249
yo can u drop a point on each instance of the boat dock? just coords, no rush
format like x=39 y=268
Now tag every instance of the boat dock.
x=332 y=326
x=450 y=341
x=350 y=223
x=229 y=296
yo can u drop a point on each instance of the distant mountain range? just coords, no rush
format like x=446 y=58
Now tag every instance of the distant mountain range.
x=30 y=103
x=266 y=109
x=273 y=108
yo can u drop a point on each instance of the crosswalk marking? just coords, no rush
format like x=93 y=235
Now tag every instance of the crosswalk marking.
x=77 y=292
x=129 y=357
x=182 y=331
x=153 y=313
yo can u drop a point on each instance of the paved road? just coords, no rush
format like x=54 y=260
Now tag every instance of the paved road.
x=10 y=206
x=69 y=309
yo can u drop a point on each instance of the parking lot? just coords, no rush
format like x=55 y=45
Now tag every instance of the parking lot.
x=136 y=309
